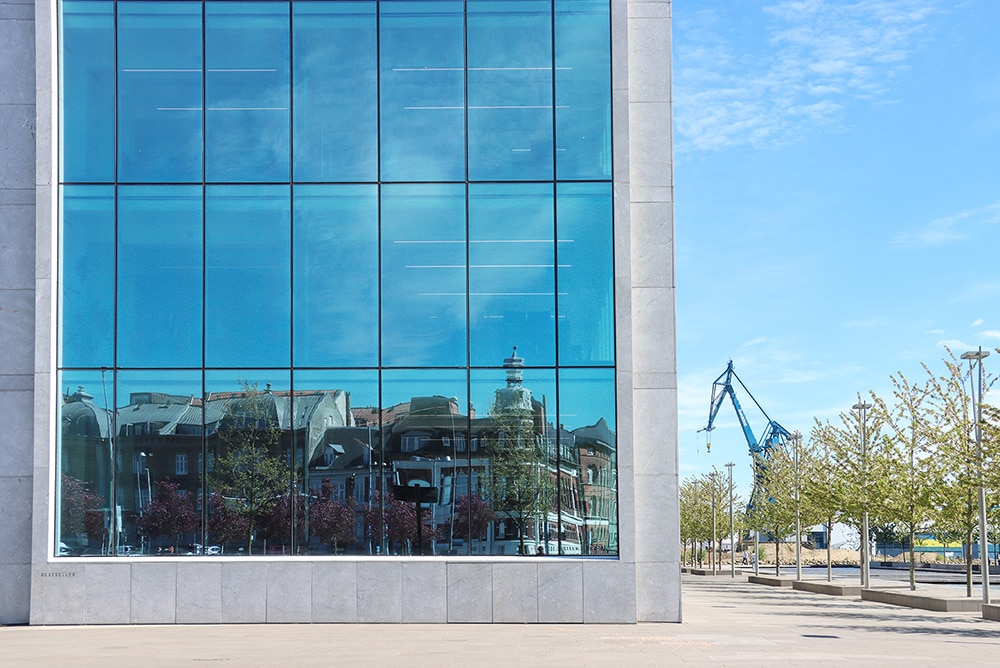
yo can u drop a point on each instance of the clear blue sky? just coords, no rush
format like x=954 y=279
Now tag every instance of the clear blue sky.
x=837 y=172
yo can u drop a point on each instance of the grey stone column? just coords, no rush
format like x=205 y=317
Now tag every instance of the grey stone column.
x=17 y=303
x=654 y=411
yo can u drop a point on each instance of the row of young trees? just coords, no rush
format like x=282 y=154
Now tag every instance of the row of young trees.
x=911 y=460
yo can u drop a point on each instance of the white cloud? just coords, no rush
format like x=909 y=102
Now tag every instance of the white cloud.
x=950 y=229
x=956 y=346
x=977 y=322
x=818 y=55
x=990 y=333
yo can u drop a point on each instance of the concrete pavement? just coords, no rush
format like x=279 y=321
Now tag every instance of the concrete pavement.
x=726 y=623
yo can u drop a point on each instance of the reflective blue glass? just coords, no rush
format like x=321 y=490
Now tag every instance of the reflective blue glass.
x=159 y=447
x=342 y=447
x=159 y=276
x=159 y=91
x=336 y=275
x=252 y=503
x=335 y=70
x=247 y=91
x=423 y=275
x=510 y=90
x=88 y=91
x=586 y=274
x=515 y=430
x=423 y=442
x=511 y=273
x=422 y=91
x=85 y=465
x=87 y=279
x=583 y=89
x=587 y=416
x=247 y=276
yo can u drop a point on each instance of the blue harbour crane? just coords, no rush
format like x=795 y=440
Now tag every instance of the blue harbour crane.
x=774 y=434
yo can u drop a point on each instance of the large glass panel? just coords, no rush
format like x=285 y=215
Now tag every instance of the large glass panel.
x=159 y=91
x=587 y=436
x=336 y=91
x=159 y=276
x=511 y=273
x=87 y=278
x=247 y=91
x=510 y=90
x=160 y=455
x=85 y=492
x=423 y=275
x=586 y=274
x=422 y=102
x=583 y=89
x=424 y=433
x=88 y=91
x=514 y=459
x=336 y=276
x=253 y=498
x=247 y=276
x=339 y=438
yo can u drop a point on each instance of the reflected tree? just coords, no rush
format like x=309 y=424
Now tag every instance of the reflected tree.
x=520 y=486
x=81 y=511
x=473 y=516
x=169 y=514
x=330 y=521
x=249 y=478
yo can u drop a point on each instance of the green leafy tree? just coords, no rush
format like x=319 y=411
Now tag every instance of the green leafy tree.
x=964 y=462
x=774 y=511
x=247 y=475
x=520 y=485
x=695 y=516
x=912 y=465
x=821 y=483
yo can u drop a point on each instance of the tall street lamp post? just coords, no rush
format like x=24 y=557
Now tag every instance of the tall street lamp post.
x=862 y=408
x=984 y=543
x=715 y=533
x=732 y=529
x=796 y=440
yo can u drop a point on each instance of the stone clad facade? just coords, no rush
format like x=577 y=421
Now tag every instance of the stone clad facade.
x=48 y=576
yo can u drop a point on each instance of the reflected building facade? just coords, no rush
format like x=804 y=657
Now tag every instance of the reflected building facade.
x=356 y=299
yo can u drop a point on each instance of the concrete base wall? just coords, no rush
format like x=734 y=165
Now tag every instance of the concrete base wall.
x=247 y=590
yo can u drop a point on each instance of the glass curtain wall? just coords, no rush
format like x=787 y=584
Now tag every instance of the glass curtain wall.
x=336 y=278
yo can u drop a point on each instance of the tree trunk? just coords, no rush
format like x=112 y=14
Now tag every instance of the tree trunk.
x=913 y=571
x=829 y=549
x=777 y=554
x=968 y=563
